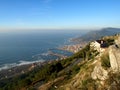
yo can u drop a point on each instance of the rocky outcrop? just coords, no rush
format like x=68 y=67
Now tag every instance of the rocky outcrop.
x=99 y=73
x=95 y=45
x=117 y=41
x=114 y=55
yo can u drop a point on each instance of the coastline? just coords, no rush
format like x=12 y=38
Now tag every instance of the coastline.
x=22 y=69
x=26 y=66
x=49 y=54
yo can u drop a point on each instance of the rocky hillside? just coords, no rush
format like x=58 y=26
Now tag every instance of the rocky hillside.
x=95 y=67
x=101 y=72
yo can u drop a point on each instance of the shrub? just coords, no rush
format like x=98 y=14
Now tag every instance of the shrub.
x=75 y=69
x=105 y=61
x=88 y=84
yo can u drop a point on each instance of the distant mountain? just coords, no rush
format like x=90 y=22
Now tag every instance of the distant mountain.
x=93 y=35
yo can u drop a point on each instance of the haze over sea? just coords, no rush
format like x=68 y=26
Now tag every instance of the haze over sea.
x=27 y=47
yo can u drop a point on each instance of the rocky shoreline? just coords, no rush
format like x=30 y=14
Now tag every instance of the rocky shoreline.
x=22 y=69
x=18 y=70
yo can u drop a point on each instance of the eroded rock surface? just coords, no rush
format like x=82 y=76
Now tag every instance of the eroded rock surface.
x=99 y=73
x=114 y=55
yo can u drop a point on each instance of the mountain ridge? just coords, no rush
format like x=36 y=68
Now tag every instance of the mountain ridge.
x=96 y=34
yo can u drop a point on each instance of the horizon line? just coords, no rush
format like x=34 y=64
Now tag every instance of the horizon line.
x=71 y=28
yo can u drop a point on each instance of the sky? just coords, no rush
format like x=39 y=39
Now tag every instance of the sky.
x=59 y=14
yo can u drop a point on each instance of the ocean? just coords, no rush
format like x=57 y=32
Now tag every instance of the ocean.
x=20 y=48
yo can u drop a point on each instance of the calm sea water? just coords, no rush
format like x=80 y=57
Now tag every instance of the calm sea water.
x=25 y=47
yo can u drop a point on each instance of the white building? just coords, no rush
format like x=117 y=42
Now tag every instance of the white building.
x=97 y=45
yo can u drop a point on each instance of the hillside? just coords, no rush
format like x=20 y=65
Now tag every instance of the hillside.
x=93 y=35
x=95 y=67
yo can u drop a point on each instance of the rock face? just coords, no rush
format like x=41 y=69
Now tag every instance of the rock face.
x=117 y=41
x=99 y=73
x=95 y=45
x=114 y=55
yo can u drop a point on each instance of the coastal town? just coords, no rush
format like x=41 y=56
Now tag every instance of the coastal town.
x=73 y=48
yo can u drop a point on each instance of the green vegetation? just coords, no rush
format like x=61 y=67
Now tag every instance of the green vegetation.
x=86 y=53
x=105 y=61
x=75 y=69
x=48 y=72
x=88 y=84
x=67 y=67
x=109 y=40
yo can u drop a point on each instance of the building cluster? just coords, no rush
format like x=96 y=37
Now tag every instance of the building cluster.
x=72 y=48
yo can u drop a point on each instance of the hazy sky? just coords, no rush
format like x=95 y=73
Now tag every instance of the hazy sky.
x=50 y=14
